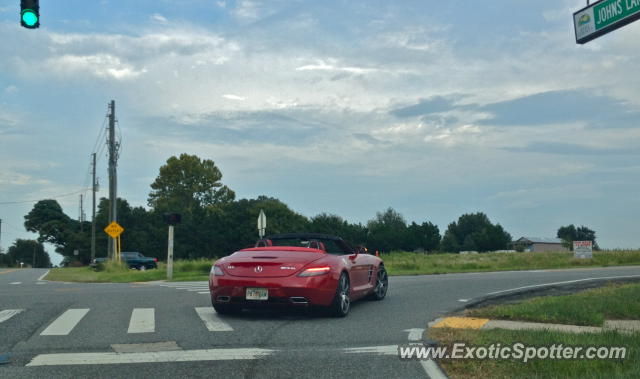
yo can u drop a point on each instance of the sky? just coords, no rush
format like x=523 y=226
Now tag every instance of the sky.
x=434 y=108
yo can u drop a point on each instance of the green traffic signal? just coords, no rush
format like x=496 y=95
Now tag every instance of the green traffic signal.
x=29 y=17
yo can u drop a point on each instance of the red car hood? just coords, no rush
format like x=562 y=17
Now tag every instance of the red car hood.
x=269 y=262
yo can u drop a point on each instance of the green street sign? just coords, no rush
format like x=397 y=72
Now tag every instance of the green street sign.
x=603 y=17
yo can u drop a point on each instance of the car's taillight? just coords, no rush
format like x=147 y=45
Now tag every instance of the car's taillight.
x=315 y=271
x=155 y=260
x=217 y=271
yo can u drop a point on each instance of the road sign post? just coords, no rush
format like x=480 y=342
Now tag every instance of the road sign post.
x=602 y=17
x=583 y=249
x=262 y=223
x=114 y=230
x=170 y=254
x=171 y=219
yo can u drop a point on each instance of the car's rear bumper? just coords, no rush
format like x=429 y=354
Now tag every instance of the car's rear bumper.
x=286 y=291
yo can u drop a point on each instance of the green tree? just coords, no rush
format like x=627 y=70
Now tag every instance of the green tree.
x=387 y=231
x=570 y=233
x=144 y=231
x=355 y=234
x=55 y=227
x=28 y=250
x=187 y=183
x=422 y=237
x=474 y=232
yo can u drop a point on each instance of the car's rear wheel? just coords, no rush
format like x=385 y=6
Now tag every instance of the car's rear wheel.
x=382 y=284
x=342 y=301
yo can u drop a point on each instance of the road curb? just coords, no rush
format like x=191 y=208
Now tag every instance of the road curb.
x=519 y=294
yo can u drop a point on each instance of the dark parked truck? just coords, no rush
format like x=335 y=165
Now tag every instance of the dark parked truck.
x=138 y=261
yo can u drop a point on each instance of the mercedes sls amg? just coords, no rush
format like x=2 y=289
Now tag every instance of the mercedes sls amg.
x=298 y=270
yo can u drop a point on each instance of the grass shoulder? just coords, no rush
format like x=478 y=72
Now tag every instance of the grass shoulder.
x=590 y=307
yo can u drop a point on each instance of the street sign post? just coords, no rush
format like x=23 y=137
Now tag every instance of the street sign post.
x=604 y=16
x=583 y=249
x=114 y=230
x=262 y=223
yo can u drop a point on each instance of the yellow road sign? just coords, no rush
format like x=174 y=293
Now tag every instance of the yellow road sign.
x=114 y=229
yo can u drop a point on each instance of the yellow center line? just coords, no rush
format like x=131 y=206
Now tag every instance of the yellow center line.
x=8 y=271
x=461 y=323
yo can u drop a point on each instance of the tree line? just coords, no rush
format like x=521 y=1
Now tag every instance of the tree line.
x=214 y=223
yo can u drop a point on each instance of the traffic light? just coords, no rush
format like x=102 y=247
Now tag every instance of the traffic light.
x=172 y=218
x=30 y=13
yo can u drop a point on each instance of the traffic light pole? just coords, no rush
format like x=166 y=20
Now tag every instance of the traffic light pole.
x=170 y=254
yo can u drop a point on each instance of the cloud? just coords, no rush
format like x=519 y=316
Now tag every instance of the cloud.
x=563 y=148
x=234 y=97
x=435 y=104
x=100 y=65
x=321 y=65
x=158 y=17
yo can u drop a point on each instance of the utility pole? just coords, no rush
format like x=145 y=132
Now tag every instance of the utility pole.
x=93 y=210
x=113 y=183
x=0 y=235
x=33 y=264
x=81 y=216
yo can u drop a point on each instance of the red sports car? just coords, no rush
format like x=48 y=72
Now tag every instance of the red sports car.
x=297 y=270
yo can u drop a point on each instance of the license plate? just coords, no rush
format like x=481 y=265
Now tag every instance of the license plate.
x=257 y=294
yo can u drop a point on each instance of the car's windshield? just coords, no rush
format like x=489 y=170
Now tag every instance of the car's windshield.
x=331 y=246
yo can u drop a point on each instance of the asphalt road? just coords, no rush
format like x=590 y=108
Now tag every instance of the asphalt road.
x=87 y=323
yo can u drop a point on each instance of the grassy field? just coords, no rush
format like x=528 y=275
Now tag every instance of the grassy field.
x=397 y=263
x=182 y=271
x=584 y=308
x=614 y=302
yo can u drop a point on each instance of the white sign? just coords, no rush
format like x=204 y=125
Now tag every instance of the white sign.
x=262 y=223
x=582 y=249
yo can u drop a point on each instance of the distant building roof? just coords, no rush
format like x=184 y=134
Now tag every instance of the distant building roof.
x=539 y=240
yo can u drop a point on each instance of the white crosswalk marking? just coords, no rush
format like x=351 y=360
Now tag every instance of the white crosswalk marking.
x=212 y=321
x=15 y=283
x=142 y=321
x=64 y=324
x=8 y=313
x=151 y=357
x=199 y=287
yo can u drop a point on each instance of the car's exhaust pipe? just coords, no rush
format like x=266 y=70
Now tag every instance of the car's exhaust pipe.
x=299 y=300
x=224 y=299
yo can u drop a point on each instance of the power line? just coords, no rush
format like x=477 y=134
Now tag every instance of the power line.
x=46 y=198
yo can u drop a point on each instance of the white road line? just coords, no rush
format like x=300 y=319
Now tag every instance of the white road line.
x=43 y=275
x=205 y=292
x=8 y=313
x=463 y=300
x=150 y=357
x=432 y=369
x=380 y=350
x=65 y=323
x=565 y=282
x=415 y=334
x=197 y=289
x=212 y=321
x=143 y=320
x=15 y=283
